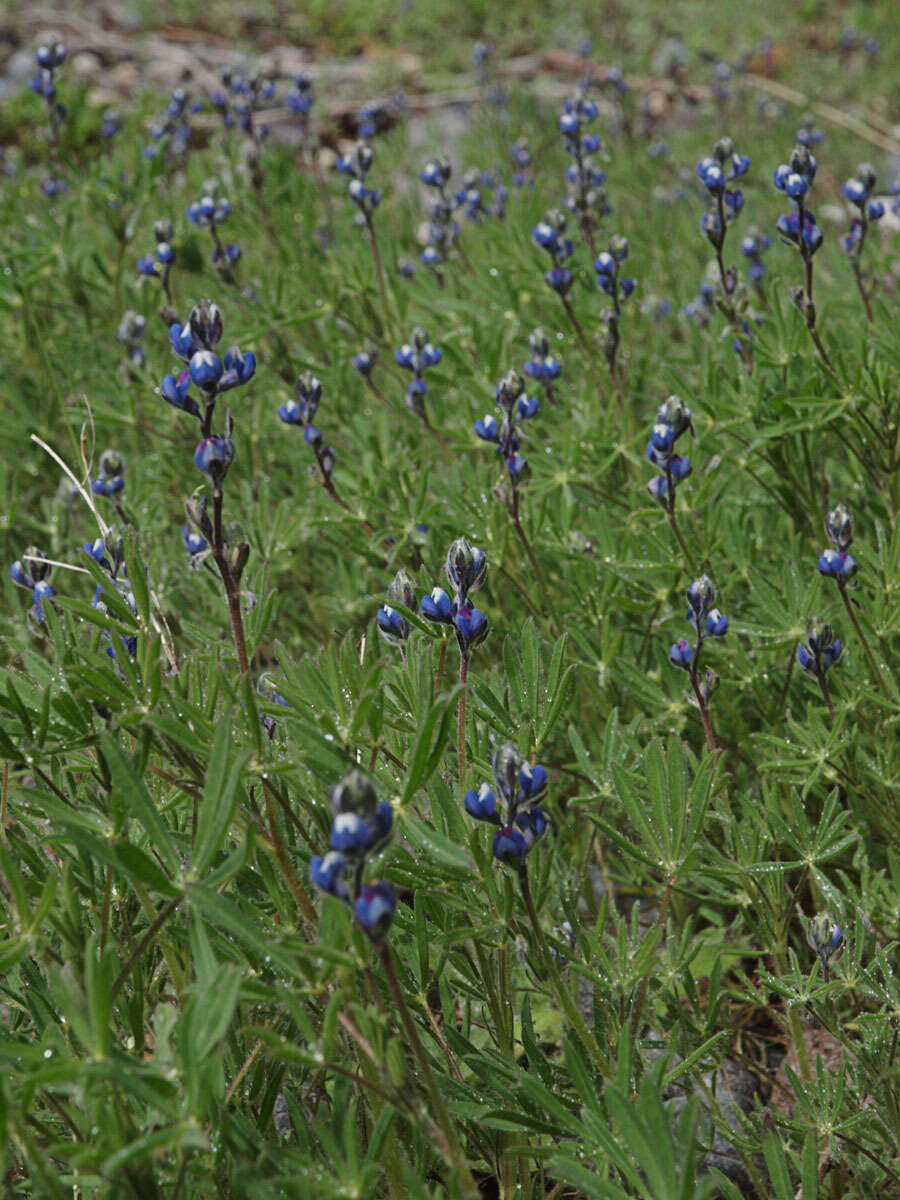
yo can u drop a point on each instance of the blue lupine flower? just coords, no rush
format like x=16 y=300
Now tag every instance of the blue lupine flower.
x=350 y=834
x=838 y=565
x=679 y=467
x=700 y=595
x=375 y=908
x=829 y=657
x=326 y=873
x=560 y=279
x=95 y=550
x=795 y=186
x=681 y=654
x=532 y=825
x=147 y=265
x=194 y=542
x=239 y=368
x=716 y=624
x=471 y=625
x=175 y=392
x=391 y=623
x=437 y=607
x=711 y=176
x=488 y=430
x=182 y=341
x=662 y=438
x=364 y=362
x=509 y=846
x=533 y=782
x=855 y=191
x=206 y=370
x=214 y=456
x=103 y=486
x=482 y=805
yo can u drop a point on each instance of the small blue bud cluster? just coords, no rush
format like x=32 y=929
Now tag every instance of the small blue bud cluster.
x=245 y=96
x=482 y=195
x=725 y=203
x=466 y=569
x=158 y=265
x=521 y=788
x=172 y=132
x=361 y=828
x=606 y=266
x=195 y=344
x=301 y=99
x=520 y=153
x=48 y=60
x=209 y=212
x=836 y=563
x=549 y=234
x=799 y=227
x=585 y=196
x=439 y=232
x=357 y=165
x=110 y=480
x=300 y=411
x=32 y=572
x=821 y=650
x=708 y=622
x=673 y=418
x=392 y=625
x=542 y=365
x=858 y=191
x=416 y=356
x=365 y=362
x=754 y=244
x=109 y=553
x=515 y=407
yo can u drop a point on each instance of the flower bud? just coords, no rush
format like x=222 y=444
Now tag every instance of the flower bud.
x=826 y=937
x=206 y=324
x=403 y=590
x=195 y=507
x=355 y=794
x=839 y=527
x=466 y=567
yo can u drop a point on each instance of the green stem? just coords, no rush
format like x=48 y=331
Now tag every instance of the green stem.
x=461 y=719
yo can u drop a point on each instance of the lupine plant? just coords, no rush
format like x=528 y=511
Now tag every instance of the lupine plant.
x=586 y=198
x=799 y=229
x=417 y=356
x=210 y=211
x=606 y=266
x=48 y=60
x=858 y=192
x=291 y=908
x=158 y=265
x=542 y=366
x=715 y=172
x=708 y=622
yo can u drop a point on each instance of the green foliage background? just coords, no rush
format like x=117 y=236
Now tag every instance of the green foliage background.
x=166 y=974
